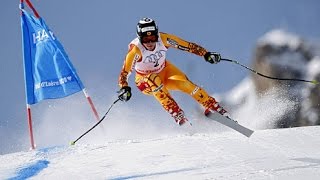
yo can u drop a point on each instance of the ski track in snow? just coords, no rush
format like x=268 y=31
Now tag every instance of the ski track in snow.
x=268 y=154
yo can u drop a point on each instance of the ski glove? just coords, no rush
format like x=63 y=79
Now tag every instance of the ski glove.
x=124 y=94
x=212 y=57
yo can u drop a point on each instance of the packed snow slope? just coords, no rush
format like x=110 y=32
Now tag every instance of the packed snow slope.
x=222 y=154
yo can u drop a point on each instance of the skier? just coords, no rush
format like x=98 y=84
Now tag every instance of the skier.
x=156 y=75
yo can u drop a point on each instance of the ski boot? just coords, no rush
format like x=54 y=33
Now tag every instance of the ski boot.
x=179 y=117
x=217 y=108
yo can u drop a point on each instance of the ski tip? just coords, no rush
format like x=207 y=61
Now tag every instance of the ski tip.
x=249 y=135
x=72 y=143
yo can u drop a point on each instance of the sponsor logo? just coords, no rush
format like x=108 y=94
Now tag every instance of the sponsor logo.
x=149 y=28
x=135 y=60
x=42 y=35
x=172 y=42
x=136 y=57
x=52 y=83
x=141 y=71
x=158 y=88
x=183 y=48
x=195 y=91
x=154 y=58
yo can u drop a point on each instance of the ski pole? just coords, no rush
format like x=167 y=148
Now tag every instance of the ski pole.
x=74 y=142
x=275 y=78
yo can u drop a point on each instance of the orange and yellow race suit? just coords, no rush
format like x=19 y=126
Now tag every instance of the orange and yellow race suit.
x=155 y=75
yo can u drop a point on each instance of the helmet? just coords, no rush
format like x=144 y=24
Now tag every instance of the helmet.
x=147 y=27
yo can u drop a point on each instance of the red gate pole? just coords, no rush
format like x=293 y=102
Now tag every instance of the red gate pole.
x=30 y=126
x=29 y=117
x=91 y=104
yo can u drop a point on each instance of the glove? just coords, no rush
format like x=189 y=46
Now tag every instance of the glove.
x=124 y=94
x=212 y=57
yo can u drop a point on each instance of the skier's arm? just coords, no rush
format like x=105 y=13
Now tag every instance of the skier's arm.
x=131 y=56
x=171 y=40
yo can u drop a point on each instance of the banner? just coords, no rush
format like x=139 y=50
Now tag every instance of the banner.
x=48 y=71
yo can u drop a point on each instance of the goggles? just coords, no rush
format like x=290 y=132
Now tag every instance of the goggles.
x=147 y=39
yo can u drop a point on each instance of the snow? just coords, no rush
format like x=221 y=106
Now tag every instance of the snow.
x=313 y=67
x=258 y=111
x=279 y=38
x=268 y=154
x=148 y=146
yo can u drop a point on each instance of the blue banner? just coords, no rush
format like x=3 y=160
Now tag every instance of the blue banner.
x=48 y=71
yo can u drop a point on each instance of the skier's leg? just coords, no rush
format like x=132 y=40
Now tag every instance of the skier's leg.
x=152 y=85
x=177 y=80
x=208 y=102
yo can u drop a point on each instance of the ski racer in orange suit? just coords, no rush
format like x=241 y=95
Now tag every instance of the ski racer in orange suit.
x=156 y=75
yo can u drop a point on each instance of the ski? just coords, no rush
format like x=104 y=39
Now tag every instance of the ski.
x=230 y=123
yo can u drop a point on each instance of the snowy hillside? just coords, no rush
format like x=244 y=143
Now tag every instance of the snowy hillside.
x=141 y=144
x=279 y=54
x=269 y=154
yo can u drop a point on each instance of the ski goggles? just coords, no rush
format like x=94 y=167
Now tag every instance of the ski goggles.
x=147 y=39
